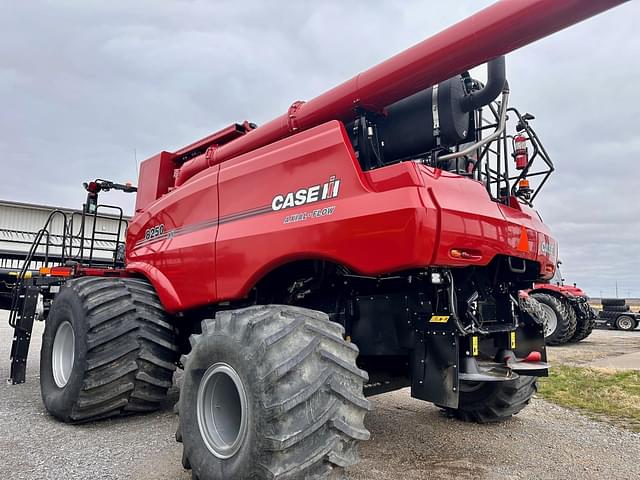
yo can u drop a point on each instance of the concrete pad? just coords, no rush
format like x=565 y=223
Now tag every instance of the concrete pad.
x=630 y=361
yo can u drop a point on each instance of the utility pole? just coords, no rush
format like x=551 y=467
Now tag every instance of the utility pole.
x=617 y=289
x=135 y=158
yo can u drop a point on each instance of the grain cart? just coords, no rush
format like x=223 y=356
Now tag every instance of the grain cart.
x=568 y=316
x=372 y=238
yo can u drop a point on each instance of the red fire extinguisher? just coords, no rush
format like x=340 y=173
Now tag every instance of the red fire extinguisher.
x=520 y=152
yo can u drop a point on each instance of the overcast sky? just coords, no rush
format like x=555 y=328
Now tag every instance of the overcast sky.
x=85 y=84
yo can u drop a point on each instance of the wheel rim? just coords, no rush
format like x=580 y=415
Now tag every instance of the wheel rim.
x=550 y=320
x=63 y=354
x=222 y=410
x=624 y=323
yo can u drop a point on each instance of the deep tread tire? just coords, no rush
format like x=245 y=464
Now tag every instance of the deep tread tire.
x=494 y=401
x=616 y=308
x=614 y=302
x=584 y=326
x=566 y=318
x=125 y=350
x=305 y=395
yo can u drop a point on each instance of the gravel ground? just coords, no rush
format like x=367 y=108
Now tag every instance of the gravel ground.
x=410 y=440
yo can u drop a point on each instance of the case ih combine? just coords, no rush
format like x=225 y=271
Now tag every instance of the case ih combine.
x=386 y=213
x=568 y=316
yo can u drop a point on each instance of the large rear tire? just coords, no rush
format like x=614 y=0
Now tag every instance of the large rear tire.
x=560 y=318
x=271 y=392
x=108 y=349
x=486 y=402
x=585 y=323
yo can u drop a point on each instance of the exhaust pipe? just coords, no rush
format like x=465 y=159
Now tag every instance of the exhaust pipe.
x=496 y=77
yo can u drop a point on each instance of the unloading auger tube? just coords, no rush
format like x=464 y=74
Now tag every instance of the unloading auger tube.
x=499 y=29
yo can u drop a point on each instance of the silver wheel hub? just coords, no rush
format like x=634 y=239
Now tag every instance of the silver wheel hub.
x=222 y=410
x=550 y=320
x=624 y=323
x=63 y=354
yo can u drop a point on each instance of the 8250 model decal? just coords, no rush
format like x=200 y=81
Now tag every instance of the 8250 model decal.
x=154 y=232
x=304 y=196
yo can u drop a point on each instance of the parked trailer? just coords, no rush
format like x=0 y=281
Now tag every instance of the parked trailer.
x=616 y=314
x=383 y=214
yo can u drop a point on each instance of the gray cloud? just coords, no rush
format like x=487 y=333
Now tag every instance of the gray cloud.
x=83 y=84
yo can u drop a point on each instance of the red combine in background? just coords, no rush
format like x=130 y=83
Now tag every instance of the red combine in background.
x=568 y=316
x=372 y=238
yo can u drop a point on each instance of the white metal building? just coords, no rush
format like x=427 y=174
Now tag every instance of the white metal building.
x=21 y=222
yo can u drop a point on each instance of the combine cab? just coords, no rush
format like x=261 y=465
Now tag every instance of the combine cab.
x=373 y=238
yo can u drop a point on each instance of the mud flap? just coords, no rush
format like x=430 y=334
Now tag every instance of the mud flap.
x=434 y=368
x=530 y=338
x=23 y=326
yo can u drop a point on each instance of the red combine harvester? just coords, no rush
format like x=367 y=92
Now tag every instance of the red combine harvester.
x=568 y=316
x=385 y=213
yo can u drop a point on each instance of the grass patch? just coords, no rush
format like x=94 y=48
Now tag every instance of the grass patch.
x=612 y=394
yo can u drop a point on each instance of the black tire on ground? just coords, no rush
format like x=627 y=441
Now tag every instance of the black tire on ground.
x=485 y=402
x=616 y=308
x=584 y=325
x=124 y=350
x=564 y=315
x=626 y=323
x=304 y=402
x=616 y=302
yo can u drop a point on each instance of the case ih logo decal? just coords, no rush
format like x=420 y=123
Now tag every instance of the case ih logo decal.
x=307 y=195
x=548 y=248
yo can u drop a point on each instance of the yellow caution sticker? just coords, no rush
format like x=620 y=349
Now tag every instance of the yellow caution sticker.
x=513 y=340
x=439 y=318
x=474 y=346
x=15 y=274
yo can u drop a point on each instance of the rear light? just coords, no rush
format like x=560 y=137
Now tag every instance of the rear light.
x=520 y=152
x=57 y=271
x=464 y=254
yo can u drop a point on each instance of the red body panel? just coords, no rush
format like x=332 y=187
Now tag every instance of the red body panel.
x=180 y=262
x=221 y=234
x=561 y=289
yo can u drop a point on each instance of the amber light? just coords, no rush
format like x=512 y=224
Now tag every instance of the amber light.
x=464 y=254
x=56 y=271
